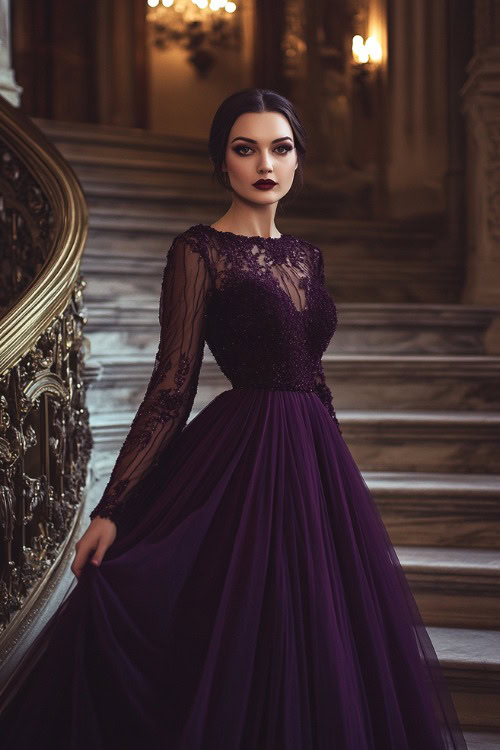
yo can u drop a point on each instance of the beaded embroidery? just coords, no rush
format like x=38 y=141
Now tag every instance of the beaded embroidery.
x=261 y=306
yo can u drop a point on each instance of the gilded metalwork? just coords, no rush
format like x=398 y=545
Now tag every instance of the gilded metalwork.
x=45 y=446
x=26 y=226
x=45 y=439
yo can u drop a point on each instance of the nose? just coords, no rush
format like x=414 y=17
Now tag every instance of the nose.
x=265 y=163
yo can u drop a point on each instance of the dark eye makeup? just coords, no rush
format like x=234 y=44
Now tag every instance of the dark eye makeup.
x=282 y=145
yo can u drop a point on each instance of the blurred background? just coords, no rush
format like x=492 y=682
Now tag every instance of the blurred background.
x=105 y=109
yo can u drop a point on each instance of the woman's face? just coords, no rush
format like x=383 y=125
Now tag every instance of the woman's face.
x=252 y=155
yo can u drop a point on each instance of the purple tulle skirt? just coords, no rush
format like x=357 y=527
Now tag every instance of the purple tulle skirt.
x=253 y=601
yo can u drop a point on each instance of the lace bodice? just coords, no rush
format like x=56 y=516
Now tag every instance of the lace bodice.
x=261 y=306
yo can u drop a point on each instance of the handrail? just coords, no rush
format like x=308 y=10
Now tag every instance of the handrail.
x=45 y=438
x=49 y=293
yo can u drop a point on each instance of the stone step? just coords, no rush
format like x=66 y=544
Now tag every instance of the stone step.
x=427 y=441
x=438 y=509
x=121 y=279
x=390 y=382
x=414 y=381
x=454 y=587
x=417 y=508
x=482 y=740
x=364 y=328
x=393 y=273
x=380 y=440
x=377 y=329
x=137 y=182
x=470 y=660
x=412 y=328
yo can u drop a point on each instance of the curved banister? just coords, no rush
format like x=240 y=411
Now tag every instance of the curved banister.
x=50 y=291
x=45 y=439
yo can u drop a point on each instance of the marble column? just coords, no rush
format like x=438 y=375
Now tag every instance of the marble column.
x=8 y=86
x=481 y=105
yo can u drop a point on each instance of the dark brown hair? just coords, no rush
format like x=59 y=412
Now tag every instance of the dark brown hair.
x=253 y=100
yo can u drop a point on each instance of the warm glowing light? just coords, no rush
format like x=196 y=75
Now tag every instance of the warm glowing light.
x=215 y=5
x=374 y=49
x=369 y=51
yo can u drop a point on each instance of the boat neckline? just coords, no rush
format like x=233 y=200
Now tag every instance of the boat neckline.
x=246 y=236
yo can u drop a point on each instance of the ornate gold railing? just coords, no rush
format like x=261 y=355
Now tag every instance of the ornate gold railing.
x=45 y=439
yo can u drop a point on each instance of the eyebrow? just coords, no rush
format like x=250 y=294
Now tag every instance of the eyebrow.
x=251 y=140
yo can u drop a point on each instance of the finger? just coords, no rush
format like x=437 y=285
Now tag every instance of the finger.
x=81 y=558
x=99 y=553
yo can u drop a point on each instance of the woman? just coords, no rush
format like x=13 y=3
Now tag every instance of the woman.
x=237 y=589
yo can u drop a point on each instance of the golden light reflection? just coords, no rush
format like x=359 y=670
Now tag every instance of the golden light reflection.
x=214 y=5
x=364 y=51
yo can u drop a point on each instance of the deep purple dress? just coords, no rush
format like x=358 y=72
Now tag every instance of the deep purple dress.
x=252 y=599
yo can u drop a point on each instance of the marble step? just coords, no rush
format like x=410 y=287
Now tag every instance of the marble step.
x=390 y=382
x=427 y=441
x=482 y=740
x=426 y=509
x=437 y=441
x=438 y=509
x=104 y=145
x=380 y=440
x=417 y=508
x=454 y=587
x=136 y=182
x=394 y=381
x=403 y=276
x=413 y=328
x=363 y=328
x=470 y=659
x=161 y=203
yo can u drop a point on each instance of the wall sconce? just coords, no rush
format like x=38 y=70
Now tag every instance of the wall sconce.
x=367 y=55
x=198 y=26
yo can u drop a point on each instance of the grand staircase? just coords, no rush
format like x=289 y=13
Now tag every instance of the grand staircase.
x=416 y=392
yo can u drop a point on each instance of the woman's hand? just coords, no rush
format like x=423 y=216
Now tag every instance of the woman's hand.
x=98 y=537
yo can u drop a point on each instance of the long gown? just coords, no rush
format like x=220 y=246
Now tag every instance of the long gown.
x=251 y=599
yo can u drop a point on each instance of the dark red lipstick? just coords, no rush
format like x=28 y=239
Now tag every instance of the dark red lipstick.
x=264 y=184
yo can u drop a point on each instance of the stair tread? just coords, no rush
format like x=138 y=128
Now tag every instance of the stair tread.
x=466 y=645
x=479 y=359
x=482 y=740
x=373 y=415
x=446 y=483
x=457 y=310
x=449 y=558
x=413 y=358
x=423 y=416
x=398 y=481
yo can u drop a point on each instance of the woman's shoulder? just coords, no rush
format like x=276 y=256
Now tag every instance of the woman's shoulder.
x=194 y=240
x=192 y=235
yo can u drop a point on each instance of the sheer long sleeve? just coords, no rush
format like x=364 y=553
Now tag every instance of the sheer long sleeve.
x=322 y=390
x=170 y=394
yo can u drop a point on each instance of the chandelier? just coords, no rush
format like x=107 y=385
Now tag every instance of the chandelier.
x=201 y=27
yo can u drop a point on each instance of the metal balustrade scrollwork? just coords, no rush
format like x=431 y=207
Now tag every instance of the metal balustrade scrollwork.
x=45 y=439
